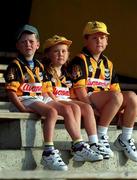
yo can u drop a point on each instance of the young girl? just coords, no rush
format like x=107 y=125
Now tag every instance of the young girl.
x=57 y=54
x=25 y=85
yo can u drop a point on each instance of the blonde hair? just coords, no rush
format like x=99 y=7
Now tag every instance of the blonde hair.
x=48 y=64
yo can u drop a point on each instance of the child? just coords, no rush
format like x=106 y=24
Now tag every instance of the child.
x=92 y=69
x=25 y=86
x=56 y=49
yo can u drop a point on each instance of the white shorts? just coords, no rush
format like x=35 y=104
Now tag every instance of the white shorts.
x=90 y=93
x=63 y=99
x=28 y=100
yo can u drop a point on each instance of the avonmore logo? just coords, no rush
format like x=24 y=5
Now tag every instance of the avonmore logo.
x=61 y=93
x=34 y=87
x=100 y=83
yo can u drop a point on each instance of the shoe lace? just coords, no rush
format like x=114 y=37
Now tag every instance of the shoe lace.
x=100 y=147
x=131 y=143
x=104 y=140
x=56 y=155
x=87 y=150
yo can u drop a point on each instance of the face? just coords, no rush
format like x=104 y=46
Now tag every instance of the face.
x=58 y=54
x=27 y=45
x=97 y=43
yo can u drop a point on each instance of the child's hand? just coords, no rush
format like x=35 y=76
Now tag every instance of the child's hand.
x=45 y=95
x=96 y=112
x=30 y=110
x=27 y=109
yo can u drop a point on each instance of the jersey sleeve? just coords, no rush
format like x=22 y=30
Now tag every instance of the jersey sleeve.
x=47 y=84
x=12 y=77
x=77 y=72
x=114 y=82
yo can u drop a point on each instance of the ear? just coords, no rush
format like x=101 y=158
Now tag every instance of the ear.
x=68 y=53
x=38 y=45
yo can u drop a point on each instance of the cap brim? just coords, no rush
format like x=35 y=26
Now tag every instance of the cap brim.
x=67 y=42
x=93 y=32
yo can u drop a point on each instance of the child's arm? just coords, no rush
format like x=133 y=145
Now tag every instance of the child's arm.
x=82 y=94
x=52 y=96
x=15 y=100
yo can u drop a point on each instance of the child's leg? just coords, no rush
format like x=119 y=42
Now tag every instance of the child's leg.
x=130 y=108
x=88 y=118
x=81 y=150
x=51 y=158
x=87 y=114
x=76 y=111
x=108 y=104
x=124 y=141
x=71 y=124
x=89 y=122
x=49 y=120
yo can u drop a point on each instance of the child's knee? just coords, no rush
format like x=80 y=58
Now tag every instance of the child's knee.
x=117 y=97
x=131 y=99
x=52 y=112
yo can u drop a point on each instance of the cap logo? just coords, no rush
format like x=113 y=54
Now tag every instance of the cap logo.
x=56 y=38
x=96 y=25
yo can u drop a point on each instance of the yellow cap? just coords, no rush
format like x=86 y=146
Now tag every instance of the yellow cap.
x=94 y=27
x=56 y=40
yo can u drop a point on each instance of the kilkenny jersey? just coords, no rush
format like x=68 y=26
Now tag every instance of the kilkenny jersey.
x=25 y=81
x=86 y=72
x=60 y=86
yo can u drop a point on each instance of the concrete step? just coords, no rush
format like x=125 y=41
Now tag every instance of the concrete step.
x=25 y=163
x=29 y=159
x=73 y=175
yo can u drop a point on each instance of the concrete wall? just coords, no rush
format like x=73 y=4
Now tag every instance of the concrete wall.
x=69 y=17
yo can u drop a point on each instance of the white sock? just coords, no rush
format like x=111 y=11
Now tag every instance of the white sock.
x=126 y=133
x=93 y=139
x=102 y=131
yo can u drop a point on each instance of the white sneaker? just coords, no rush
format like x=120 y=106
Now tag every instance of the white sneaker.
x=99 y=148
x=104 y=141
x=53 y=161
x=86 y=154
x=128 y=147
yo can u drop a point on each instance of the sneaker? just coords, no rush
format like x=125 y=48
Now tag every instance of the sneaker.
x=128 y=147
x=98 y=148
x=103 y=140
x=84 y=153
x=53 y=161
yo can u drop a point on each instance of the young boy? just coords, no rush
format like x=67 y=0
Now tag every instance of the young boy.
x=25 y=87
x=95 y=82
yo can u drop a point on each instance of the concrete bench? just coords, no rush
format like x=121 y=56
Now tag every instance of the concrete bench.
x=20 y=129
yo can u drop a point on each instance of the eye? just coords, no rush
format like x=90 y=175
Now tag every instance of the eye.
x=64 y=51
x=31 y=41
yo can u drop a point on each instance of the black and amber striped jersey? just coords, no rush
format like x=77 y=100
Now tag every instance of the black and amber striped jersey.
x=94 y=75
x=25 y=81
x=60 y=85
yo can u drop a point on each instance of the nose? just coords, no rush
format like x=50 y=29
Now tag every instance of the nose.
x=27 y=43
x=98 y=39
x=60 y=53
